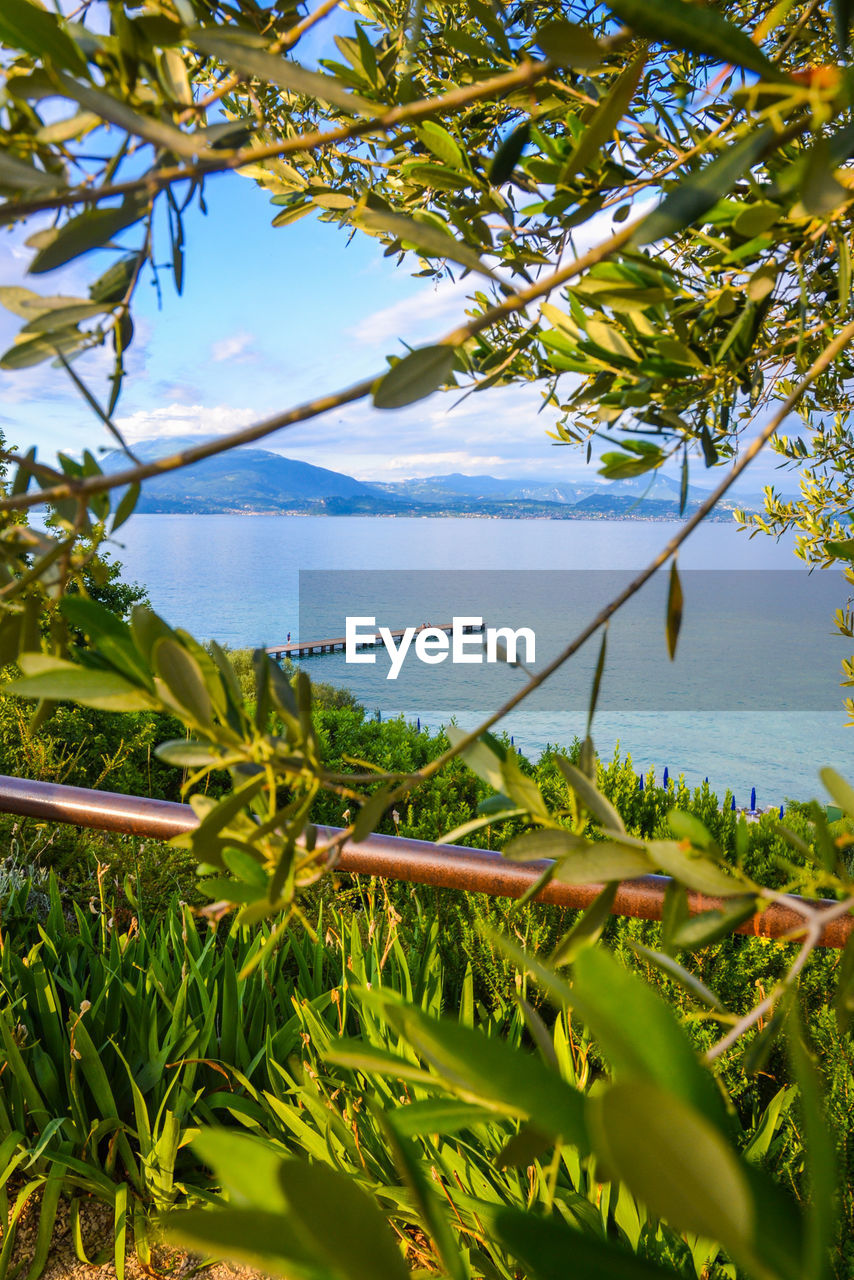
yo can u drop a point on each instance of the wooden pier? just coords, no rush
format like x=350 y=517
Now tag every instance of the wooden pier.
x=305 y=648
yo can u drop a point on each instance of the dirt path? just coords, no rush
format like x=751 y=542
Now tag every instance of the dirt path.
x=97 y=1230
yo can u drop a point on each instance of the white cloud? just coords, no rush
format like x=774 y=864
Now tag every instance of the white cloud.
x=426 y=464
x=425 y=315
x=184 y=420
x=236 y=347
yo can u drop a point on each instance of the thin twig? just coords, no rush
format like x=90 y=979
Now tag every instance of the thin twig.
x=814 y=931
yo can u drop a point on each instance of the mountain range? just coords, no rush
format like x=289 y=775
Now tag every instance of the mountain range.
x=250 y=480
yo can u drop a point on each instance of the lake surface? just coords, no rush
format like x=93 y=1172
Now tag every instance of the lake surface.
x=747 y=703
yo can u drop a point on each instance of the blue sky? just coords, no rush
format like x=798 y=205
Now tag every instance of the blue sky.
x=269 y=318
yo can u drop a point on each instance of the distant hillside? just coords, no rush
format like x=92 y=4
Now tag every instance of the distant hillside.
x=245 y=479
x=483 y=489
x=440 y=489
x=258 y=481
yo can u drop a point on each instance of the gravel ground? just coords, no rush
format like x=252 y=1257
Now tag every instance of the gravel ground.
x=96 y=1223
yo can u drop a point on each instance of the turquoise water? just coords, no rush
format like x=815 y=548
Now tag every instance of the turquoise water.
x=236 y=578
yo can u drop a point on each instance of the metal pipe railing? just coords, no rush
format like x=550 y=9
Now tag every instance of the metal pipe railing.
x=394 y=858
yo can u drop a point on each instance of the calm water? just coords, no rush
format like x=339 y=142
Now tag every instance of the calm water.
x=717 y=712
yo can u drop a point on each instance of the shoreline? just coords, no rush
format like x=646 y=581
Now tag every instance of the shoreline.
x=724 y=517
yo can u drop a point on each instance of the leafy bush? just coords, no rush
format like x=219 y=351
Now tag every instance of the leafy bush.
x=121 y=1038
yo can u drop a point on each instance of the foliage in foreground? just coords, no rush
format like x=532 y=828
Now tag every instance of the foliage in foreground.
x=686 y=323
x=122 y=1038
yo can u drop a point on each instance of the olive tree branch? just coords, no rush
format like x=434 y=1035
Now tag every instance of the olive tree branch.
x=816 y=921
x=155 y=180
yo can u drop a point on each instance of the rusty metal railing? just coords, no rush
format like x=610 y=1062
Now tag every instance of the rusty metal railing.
x=393 y=858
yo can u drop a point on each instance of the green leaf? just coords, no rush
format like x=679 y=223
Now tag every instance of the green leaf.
x=579 y=862
x=674 y=610
x=685 y=826
x=769 y=1122
x=597 y=679
x=341 y=1222
x=602 y=124
x=521 y=789
x=569 y=45
x=710 y=926
x=160 y=134
x=423 y=236
x=699 y=30
x=147 y=628
x=756 y=218
x=550 y=1250
x=842 y=12
x=609 y=339
x=126 y=507
x=95 y=619
x=819 y=189
x=443 y=145
x=482 y=1069
x=432 y=1210
x=371 y=812
x=447 y=1115
x=696 y=195
x=112 y=639
x=89 y=230
x=439 y=177
x=247 y=1235
x=843 y=1000
x=417 y=375
x=63 y=316
x=28 y=26
x=842 y=550
x=246 y=1168
x=60 y=681
x=507 y=156
x=639 y=1034
x=688 y=981
x=523 y=1148
x=622 y=466
x=476 y=824
x=16 y=175
x=710 y=453
x=819 y=1154
x=484 y=757
x=694 y=870
x=251 y=63
x=841 y=791
x=112 y=286
x=187 y=755
x=676 y=1162
x=357 y=1055
x=23 y=355
x=593 y=801
x=183 y=677
x=588 y=929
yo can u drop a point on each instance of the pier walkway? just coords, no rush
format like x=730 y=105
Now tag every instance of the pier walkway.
x=304 y=648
